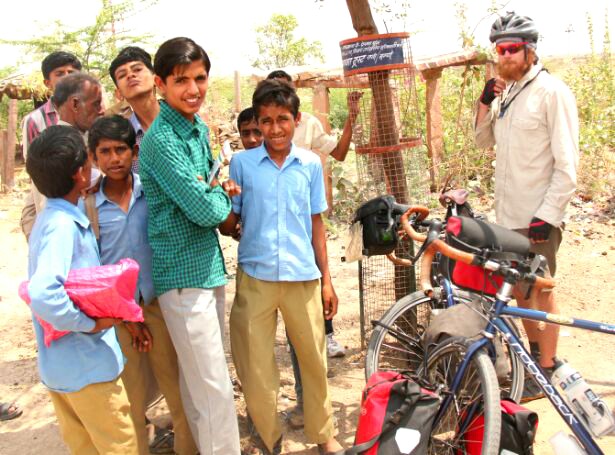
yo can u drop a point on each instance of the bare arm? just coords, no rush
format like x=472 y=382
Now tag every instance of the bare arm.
x=319 y=244
x=341 y=149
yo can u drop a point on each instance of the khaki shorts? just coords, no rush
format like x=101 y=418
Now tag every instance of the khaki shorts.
x=547 y=249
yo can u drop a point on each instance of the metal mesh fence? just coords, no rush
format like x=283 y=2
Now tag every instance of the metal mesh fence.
x=391 y=158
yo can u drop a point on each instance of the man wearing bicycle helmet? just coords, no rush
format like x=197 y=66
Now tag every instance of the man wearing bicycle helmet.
x=531 y=118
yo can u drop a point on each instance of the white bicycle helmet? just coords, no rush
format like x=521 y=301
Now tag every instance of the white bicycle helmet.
x=514 y=26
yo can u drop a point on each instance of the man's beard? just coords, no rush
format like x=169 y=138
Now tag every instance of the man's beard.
x=512 y=71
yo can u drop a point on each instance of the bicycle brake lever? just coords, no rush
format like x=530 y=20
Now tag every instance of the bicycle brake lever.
x=432 y=234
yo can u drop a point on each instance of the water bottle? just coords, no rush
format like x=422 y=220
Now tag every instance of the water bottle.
x=593 y=412
x=564 y=444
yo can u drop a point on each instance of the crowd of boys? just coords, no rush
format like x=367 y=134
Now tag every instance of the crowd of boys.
x=106 y=188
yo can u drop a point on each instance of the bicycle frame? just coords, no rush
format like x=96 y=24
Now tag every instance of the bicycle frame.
x=498 y=323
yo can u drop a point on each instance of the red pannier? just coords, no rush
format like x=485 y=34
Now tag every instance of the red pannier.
x=487 y=239
x=396 y=416
x=519 y=426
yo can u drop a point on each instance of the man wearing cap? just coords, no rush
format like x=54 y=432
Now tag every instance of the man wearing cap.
x=531 y=118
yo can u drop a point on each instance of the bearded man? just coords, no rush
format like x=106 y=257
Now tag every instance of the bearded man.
x=531 y=118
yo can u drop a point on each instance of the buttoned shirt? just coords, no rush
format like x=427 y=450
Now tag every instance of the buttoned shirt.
x=310 y=135
x=276 y=205
x=62 y=240
x=139 y=133
x=36 y=121
x=537 y=149
x=124 y=235
x=184 y=211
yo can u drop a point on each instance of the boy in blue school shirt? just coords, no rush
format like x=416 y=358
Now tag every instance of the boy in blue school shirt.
x=82 y=369
x=283 y=266
x=120 y=211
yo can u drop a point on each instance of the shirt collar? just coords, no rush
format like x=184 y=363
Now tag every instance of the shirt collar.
x=49 y=107
x=136 y=124
x=70 y=209
x=534 y=70
x=137 y=190
x=180 y=124
x=293 y=155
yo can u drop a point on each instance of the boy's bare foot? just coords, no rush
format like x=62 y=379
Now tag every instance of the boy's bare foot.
x=329 y=447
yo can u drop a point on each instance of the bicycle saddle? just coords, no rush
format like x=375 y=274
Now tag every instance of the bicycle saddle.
x=458 y=196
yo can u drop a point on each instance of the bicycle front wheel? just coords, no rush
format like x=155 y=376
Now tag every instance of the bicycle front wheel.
x=472 y=422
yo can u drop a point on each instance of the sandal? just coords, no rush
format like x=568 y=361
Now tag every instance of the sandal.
x=9 y=411
x=163 y=443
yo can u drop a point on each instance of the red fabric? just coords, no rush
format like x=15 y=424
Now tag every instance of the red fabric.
x=476 y=278
x=453 y=225
x=374 y=406
x=105 y=291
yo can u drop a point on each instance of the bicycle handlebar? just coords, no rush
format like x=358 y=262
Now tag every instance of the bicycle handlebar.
x=447 y=250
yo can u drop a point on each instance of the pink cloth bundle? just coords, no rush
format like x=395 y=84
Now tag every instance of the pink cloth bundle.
x=106 y=291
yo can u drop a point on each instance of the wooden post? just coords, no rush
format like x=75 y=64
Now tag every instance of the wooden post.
x=386 y=134
x=3 y=158
x=237 y=92
x=321 y=108
x=8 y=181
x=435 y=135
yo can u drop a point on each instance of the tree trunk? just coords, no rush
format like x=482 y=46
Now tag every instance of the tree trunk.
x=385 y=134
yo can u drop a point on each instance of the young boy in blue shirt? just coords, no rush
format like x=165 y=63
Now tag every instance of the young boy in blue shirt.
x=121 y=212
x=82 y=369
x=283 y=266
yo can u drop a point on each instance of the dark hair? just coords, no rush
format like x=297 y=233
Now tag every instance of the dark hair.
x=54 y=157
x=116 y=128
x=275 y=91
x=178 y=52
x=247 y=115
x=130 y=54
x=69 y=85
x=280 y=74
x=58 y=59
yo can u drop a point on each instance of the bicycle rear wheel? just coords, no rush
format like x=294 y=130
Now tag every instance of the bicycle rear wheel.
x=472 y=422
x=396 y=341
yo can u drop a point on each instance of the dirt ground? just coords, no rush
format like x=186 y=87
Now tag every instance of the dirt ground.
x=585 y=278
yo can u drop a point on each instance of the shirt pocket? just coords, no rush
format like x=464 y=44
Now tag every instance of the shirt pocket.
x=528 y=137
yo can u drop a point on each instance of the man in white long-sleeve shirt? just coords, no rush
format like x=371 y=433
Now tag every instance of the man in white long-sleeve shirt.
x=531 y=118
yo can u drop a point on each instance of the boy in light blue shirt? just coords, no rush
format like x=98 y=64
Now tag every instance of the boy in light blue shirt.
x=82 y=368
x=120 y=211
x=283 y=266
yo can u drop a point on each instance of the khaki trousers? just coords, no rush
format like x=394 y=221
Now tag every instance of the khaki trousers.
x=253 y=329
x=162 y=360
x=96 y=420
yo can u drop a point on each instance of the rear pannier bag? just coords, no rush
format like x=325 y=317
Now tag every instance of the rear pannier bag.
x=519 y=426
x=487 y=239
x=396 y=416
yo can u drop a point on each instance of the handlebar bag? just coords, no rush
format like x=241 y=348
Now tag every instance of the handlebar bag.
x=380 y=235
x=486 y=239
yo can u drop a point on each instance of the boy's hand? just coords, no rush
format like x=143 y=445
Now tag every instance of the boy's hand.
x=104 y=324
x=231 y=188
x=329 y=301
x=93 y=189
x=142 y=339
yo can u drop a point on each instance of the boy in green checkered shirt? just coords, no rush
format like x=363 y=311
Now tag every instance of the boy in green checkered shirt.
x=188 y=267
